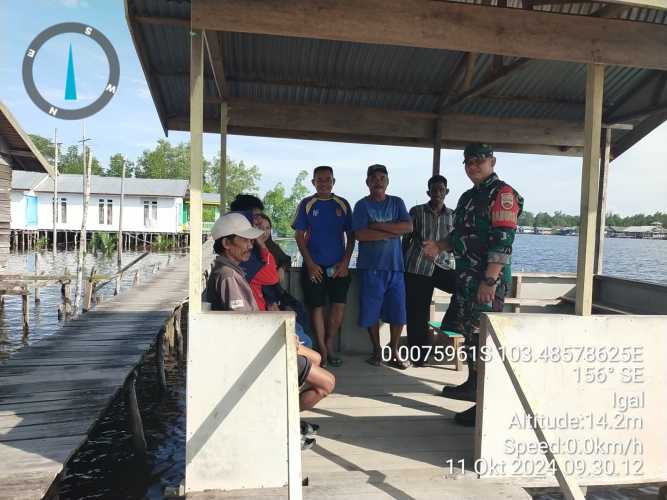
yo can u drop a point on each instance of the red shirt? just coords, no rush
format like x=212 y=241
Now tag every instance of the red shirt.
x=267 y=275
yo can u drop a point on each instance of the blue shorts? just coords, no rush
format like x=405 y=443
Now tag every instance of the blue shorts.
x=303 y=336
x=381 y=296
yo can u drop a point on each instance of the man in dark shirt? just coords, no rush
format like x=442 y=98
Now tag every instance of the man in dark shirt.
x=430 y=221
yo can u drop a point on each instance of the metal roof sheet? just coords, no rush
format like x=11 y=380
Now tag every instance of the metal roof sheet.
x=291 y=70
x=73 y=183
x=23 y=180
x=25 y=154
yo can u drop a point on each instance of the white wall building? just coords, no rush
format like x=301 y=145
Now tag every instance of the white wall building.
x=18 y=156
x=150 y=205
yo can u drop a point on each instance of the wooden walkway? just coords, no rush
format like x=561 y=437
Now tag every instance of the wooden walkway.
x=52 y=392
x=384 y=434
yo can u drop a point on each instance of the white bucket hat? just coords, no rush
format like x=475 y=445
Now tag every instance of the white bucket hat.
x=234 y=223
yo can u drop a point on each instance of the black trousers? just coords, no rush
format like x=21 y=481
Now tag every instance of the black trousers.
x=419 y=293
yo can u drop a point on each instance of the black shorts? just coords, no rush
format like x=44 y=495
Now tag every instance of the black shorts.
x=315 y=294
x=303 y=365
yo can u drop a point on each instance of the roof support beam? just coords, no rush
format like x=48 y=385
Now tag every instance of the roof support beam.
x=196 y=167
x=590 y=178
x=445 y=25
x=213 y=41
x=380 y=126
x=640 y=130
x=655 y=4
x=24 y=154
x=487 y=83
x=163 y=21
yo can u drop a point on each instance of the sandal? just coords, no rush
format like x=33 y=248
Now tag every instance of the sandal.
x=308 y=429
x=307 y=443
x=334 y=361
x=401 y=365
x=375 y=359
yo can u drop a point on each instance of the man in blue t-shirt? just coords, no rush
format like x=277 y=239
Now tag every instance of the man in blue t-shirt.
x=323 y=225
x=378 y=222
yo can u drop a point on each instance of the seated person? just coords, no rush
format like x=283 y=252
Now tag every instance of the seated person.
x=228 y=290
x=275 y=296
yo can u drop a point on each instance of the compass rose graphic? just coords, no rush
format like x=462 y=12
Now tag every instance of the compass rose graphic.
x=70 y=84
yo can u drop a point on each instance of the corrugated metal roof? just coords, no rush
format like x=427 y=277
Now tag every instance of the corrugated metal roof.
x=26 y=156
x=73 y=183
x=291 y=70
x=24 y=181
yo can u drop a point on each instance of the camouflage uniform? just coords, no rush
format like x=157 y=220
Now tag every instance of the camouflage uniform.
x=484 y=227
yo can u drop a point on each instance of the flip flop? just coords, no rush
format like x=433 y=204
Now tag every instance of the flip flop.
x=308 y=429
x=401 y=365
x=334 y=361
x=374 y=360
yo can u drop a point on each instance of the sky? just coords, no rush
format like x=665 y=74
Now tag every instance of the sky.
x=129 y=124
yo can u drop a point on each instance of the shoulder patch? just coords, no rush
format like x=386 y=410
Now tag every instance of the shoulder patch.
x=310 y=203
x=341 y=203
x=505 y=209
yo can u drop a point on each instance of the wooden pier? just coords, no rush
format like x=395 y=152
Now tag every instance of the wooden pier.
x=386 y=433
x=54 y=391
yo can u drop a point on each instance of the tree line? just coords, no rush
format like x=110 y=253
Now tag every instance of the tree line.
x=560 y=219
x=169 y=161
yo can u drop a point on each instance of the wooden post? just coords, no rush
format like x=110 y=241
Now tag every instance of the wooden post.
x=224 y=120
x=89 y=291
x=87 y=166
x=178 y=334
x=67 y=293
x=589 y=189
x=437 y=144
x=516 y=291
x=26 y=310
x=159 y=363
x=602 y=202
x=56 y=205
x=136 y=424
x=38 y=297
x=119 y=241
x=196 y=178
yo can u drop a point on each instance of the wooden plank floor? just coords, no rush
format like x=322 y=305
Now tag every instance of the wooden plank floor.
x=52 y=392
x=387 y=433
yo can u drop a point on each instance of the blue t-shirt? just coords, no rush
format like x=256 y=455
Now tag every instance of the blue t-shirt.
x=325 y=222
x=383 y=254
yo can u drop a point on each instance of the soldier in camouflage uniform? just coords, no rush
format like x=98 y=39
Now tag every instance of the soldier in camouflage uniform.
x=485 y=223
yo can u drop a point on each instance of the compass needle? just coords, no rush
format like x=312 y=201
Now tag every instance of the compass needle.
x=70 y=86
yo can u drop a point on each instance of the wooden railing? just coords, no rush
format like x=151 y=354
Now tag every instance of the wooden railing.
x=20 y=284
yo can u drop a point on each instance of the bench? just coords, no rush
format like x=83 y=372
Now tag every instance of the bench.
x=456 y=338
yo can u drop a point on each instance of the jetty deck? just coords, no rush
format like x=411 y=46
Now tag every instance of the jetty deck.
x=386 y=433
x=54 y=391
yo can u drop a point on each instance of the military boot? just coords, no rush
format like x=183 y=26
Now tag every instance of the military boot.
x=467 y=418
x=467 y=391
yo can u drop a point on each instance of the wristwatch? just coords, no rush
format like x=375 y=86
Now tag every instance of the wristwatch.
x=489 y=281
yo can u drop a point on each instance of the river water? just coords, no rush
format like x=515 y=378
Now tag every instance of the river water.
x=43 y=319
x=623 y=257
x=105 y=468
